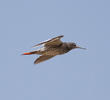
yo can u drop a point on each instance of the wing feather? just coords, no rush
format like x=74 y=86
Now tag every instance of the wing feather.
x=53 y=41
x=42 y=58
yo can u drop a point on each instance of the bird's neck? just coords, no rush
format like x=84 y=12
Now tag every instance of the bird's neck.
x=67 y=46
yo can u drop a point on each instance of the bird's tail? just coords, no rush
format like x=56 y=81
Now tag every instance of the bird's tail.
x=30 y=53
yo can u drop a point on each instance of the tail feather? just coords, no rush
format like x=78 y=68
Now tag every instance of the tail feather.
x=30 y=53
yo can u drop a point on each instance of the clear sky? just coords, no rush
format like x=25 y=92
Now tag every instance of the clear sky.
x=77 y=75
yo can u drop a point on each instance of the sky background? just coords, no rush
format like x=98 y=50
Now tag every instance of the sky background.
x=77 y=75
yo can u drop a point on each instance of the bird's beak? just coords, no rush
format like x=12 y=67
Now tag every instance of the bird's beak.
x=80 y=47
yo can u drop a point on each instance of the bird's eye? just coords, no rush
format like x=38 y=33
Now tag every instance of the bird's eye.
x=74 y=44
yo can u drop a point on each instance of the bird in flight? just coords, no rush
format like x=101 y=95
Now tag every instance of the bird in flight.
x=51 y=48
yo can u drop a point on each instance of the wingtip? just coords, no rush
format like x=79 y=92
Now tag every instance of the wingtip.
x=36 y=62
x=61 y=36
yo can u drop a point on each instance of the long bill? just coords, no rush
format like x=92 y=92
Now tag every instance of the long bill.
x=81 y=48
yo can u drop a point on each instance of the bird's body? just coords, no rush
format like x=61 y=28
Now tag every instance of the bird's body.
x=52 y=48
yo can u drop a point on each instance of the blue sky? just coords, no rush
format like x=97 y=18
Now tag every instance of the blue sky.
x=77 y=75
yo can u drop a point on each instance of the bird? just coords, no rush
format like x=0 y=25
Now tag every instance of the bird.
x=52 y=48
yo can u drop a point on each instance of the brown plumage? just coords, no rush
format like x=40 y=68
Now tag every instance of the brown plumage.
x=52 y=48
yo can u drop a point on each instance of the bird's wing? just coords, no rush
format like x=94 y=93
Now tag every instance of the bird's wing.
x=53 y=41
x=42 y=58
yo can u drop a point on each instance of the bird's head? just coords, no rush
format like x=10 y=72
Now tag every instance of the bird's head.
x=73 y=46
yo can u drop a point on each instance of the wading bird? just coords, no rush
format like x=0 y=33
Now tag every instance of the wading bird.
x=52 y=48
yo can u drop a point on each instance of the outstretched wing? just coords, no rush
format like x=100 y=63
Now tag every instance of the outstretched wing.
x=54 y=41
x=42 y=58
